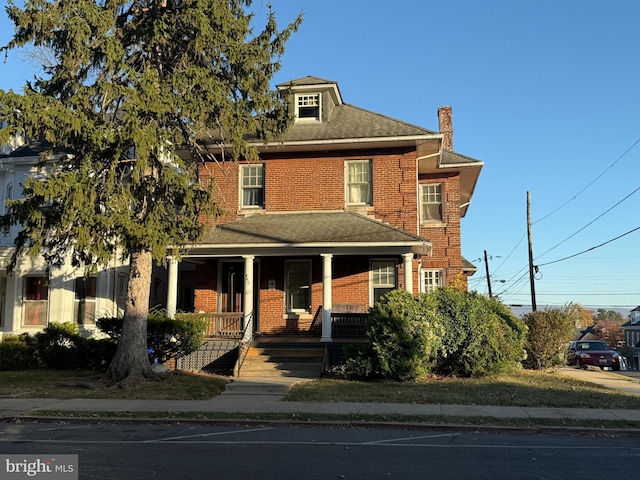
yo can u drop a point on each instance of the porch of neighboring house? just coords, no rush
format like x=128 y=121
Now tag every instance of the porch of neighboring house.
x=229 y=349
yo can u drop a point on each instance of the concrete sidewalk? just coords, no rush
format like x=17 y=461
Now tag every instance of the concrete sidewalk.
x=258 y=396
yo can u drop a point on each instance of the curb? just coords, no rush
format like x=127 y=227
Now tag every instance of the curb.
x=362 y=424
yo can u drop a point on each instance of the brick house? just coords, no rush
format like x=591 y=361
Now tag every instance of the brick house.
x=350 y=205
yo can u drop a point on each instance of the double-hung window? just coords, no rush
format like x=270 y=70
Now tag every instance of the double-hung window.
x=308 y=108
x=84 y=311
x=430 y=279
x=358 y=176
x=36 y=301
x=6 y=230
x=431 y=202
x=252 y=186
x=384 y=278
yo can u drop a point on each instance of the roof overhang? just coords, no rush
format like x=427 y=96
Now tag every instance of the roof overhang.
x=442 y=161
x=286 y=250
x=428 y=143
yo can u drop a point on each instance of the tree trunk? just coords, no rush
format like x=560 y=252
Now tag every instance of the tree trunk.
x=131 y=360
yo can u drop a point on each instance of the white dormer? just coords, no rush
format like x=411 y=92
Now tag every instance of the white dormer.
x=635 y=315
x=312 y=99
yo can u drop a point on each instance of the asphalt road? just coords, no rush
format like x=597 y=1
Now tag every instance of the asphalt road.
x=178 y=452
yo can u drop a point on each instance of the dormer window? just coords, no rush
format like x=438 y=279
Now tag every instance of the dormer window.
x=308 y=108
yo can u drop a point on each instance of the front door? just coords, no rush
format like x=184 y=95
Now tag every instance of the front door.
x=232 y=286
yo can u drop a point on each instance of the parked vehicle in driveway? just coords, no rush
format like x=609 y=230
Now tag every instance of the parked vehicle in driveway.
x=595 y=353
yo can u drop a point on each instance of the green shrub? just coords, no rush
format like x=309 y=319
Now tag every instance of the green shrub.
x=549 y=333
x=167 y=337
x=404 y=337
x=358 y=364
x=60 y=346
x=480 y=335
x=18 y=352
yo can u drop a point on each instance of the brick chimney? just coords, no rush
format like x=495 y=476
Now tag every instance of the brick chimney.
x=446 y=127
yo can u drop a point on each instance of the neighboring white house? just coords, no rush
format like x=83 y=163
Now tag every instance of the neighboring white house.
x=35 y=293
x=632 y=328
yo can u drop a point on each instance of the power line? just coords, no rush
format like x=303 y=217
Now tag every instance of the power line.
x=589 y=249
x=591 y=222
x=592 y=182
x=568 y=201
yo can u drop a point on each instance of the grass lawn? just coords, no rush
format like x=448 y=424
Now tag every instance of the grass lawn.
x=65 y=384
x=524 y=388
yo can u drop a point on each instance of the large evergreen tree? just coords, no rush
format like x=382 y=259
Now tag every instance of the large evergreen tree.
x=130 y=83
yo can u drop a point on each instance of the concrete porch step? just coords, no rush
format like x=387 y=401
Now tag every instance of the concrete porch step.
x=295 y=352
x=285 y=369
x=271 y=359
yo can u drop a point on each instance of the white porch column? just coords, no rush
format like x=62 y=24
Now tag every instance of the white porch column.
x=408 y=272
x=248 y=298
x=326 y=297
x=172 y=287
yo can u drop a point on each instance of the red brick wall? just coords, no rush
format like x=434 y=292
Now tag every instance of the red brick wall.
x=205 y=292
x=317 y=183
x=308 y=183
x=445 y=237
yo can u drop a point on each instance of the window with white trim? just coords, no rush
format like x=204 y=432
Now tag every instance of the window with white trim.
x=431 y=202
x=298 y=285
x=36 y=301
x=384 y=278
x=84 y=311
x=430 y=279
x=252 y=186
x=308 y=108
x=358 y=182
x=6 y=230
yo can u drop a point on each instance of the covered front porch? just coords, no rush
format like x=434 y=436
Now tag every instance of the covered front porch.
x=232 y=326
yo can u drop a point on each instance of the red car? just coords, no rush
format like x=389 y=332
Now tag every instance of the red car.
x=595 y=353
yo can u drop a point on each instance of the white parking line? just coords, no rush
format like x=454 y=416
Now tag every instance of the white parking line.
x=168 y=439
x=392 y=440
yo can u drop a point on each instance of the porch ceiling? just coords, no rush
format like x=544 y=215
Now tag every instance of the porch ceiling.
x=344 y=230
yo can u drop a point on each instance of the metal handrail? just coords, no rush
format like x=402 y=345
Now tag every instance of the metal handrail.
x=242 y=343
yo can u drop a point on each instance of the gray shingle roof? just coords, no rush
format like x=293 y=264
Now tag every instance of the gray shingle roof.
x=352 y=122
x=453 y=158
x=308 y=228
x=308 y=80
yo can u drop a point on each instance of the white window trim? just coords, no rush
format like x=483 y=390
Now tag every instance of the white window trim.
x=421 y=203
x=369 y=201
x=241 y=187
x=26 y=302
x=440 y=271
x=316 y=119
x=86 y=300
x=6 y=231
x=372 y=287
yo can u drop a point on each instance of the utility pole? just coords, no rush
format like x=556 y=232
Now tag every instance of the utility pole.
x=486 y=266
x=531 y=269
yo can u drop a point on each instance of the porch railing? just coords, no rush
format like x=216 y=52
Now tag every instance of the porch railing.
x=227 y=325
x=349 y=324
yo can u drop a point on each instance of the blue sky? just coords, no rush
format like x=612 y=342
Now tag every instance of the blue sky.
x=544 y=92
